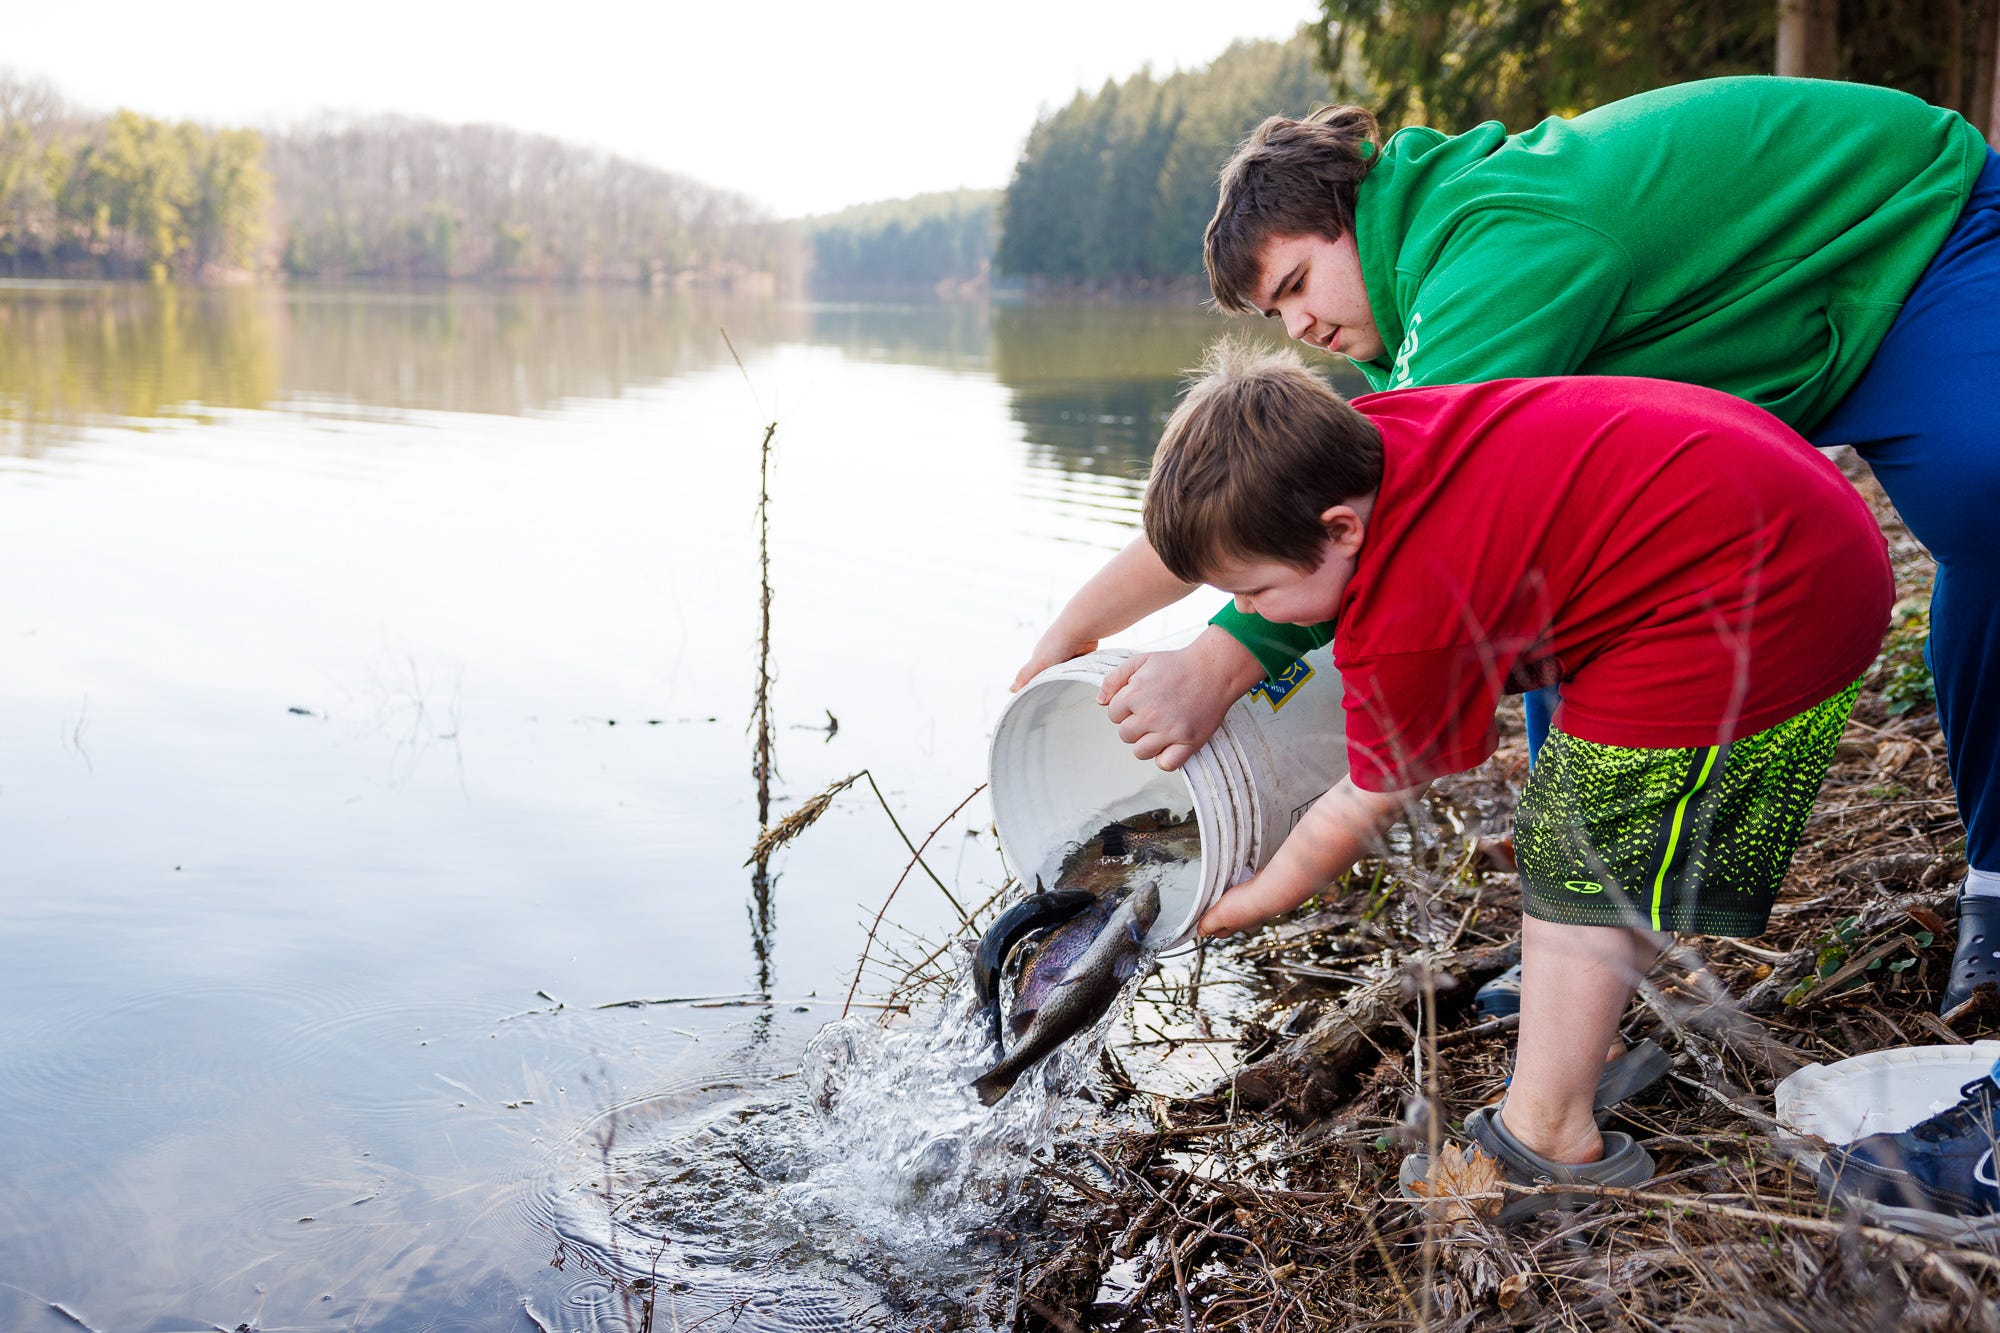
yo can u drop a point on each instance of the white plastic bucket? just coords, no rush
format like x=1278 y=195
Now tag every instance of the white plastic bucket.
x=1058 y=772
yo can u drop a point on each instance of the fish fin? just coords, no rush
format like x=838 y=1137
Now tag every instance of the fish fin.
x=992 y=1085
x=1021 y=1021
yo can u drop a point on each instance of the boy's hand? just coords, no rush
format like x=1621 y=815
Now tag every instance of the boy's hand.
x=1238 y=908
x=1168 y=704
x=1055 y=646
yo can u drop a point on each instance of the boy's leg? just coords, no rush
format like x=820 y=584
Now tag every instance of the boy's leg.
x=1617 y=844
x=1926 y=416
x=1575 y=984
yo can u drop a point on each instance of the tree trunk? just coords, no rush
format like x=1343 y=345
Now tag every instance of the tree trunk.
x=1809 y=39
x=1986 y=78
x=1791 y=39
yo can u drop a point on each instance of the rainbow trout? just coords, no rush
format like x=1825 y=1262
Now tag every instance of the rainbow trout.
x=1118 y=853
x=1038 y=911
x=1070 y=977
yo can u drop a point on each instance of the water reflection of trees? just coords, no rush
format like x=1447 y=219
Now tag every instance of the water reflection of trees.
x=951 y=335
x=71 y=355
x=1092 y=384
x=1089 y=385
x=508 y=351
x=82 y=353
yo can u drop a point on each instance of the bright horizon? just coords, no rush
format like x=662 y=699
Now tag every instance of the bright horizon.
x=800 y=107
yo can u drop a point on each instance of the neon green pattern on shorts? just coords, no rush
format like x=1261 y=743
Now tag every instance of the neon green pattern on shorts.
x=1691 y=840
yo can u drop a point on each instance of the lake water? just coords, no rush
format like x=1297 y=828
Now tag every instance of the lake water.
x=374 y=723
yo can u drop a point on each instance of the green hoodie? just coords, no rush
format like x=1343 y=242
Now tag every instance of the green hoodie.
x=1755 y=235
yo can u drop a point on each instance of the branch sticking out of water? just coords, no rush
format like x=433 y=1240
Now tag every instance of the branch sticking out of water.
x=760 y=713
x=798 y=821
x=916 y=859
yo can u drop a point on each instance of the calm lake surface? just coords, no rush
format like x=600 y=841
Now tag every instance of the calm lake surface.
x=374 y=722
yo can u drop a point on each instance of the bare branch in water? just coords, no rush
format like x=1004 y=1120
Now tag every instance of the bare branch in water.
x=916 y=859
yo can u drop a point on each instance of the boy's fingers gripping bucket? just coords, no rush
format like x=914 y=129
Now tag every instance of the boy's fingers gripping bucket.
x=1058 y=772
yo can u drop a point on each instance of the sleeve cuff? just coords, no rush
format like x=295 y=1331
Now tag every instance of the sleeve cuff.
x=1275 y=647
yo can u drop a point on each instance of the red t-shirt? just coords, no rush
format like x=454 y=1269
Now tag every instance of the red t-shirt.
x=1688 y=568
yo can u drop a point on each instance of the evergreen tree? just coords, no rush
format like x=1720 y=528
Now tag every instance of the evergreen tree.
x=1116 y=188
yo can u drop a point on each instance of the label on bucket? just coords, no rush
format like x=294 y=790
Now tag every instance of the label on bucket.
x=1279 y=688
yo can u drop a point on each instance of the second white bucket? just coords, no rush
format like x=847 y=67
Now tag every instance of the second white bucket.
x=1058 y=772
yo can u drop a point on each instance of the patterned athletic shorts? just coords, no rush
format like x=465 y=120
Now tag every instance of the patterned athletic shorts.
x=1687 y=840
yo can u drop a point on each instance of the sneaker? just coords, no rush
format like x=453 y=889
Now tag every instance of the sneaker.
x=1940 y=1165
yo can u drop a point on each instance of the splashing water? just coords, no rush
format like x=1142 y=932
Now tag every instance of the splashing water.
x=871 y=1190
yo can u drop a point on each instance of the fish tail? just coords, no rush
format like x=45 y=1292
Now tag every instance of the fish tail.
x=994 y=1084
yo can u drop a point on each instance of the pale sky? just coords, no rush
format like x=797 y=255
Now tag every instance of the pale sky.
x=804 y=106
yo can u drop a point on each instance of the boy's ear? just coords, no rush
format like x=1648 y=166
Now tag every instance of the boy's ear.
x=1344 y=527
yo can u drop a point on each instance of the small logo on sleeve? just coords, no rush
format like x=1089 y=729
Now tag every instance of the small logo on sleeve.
x=1582 y=886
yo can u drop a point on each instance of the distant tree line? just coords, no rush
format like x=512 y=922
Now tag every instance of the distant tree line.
x=123 y=195
x=388 y=196
x=126 y=195
x=1114 y=189
x=929 y=241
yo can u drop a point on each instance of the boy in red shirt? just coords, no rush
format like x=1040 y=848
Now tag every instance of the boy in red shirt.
x=1705 y=586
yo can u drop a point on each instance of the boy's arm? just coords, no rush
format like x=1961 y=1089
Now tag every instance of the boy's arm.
x=1275 y=646
x=1132 y=585
x=1342 y=827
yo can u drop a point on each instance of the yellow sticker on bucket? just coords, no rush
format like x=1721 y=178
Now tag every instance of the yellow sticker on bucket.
x=1279 y=687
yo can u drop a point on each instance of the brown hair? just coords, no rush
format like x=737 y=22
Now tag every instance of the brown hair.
x=1258 y=449
x=1288 y=178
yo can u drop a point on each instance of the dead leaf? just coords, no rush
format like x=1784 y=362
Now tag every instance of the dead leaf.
x=1926 y=918
x=1511 y=1289
x=1892 y=755
x=1455 y=1175
x=1494 y=854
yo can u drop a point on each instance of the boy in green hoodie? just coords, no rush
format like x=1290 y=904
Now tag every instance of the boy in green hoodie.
x=1827 y=251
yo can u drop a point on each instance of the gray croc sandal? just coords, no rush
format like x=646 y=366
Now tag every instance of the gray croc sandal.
x=1624 y=1163
x=1628 y=1076
x=1977 y=957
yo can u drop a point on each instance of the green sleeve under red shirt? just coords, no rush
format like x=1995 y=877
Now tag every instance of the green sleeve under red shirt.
x=1685 y=565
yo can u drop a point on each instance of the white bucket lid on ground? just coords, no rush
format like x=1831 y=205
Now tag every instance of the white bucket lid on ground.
x=1880 y=1092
